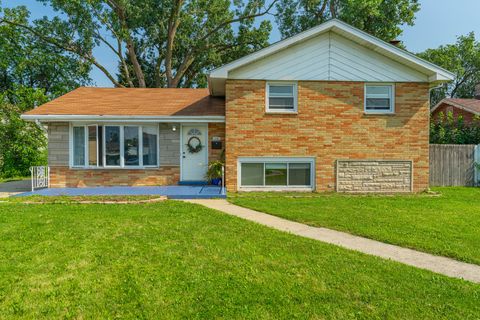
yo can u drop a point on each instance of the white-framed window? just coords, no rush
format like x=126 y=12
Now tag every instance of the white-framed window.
x=114 y=146
x=281 y=97
x=276 y=173
x=379 y=98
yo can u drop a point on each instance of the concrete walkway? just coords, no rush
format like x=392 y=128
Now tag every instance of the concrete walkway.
x=10 y=188
x=442 y=265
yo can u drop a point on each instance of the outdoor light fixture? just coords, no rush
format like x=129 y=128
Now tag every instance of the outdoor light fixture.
x=174 y=128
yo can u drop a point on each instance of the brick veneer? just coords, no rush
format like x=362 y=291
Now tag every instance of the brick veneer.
x=61 y=177
x=215 y=130
x=330 y=125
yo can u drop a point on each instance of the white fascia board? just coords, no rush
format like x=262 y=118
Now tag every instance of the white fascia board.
x=419 y=64
x=61 y=118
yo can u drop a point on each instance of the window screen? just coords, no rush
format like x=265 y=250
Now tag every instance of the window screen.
x=379 y=98
x=281 y=97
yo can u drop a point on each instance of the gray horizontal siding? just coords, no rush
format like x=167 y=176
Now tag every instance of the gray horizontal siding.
x=58 y=144
x=169 y=145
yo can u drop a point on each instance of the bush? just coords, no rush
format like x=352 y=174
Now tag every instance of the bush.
x=450 y=130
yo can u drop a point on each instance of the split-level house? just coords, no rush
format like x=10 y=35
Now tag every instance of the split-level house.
x=331 y=108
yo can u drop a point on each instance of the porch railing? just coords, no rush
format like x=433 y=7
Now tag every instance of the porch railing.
x=223 y=180
x=40 y=177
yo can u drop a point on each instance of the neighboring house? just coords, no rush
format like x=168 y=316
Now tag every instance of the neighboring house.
x=331 y=108
x=468 y=109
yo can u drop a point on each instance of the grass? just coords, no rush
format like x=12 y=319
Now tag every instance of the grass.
x=177 y=260
x=447 y=224
x=2 y=180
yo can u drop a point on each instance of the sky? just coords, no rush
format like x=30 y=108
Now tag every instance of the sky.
x=438 y=22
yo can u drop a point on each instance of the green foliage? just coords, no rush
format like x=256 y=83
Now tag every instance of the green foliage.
x=22 y=144
x=31 y=73
x=447 y=129
x=28 y=62
x=381 y=18
x=461 y=58
x=214 y=170
x=156 y=43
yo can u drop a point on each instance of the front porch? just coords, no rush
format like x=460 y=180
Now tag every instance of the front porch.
x=171 y=192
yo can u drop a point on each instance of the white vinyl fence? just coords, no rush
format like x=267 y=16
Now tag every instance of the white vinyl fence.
x=40 y=177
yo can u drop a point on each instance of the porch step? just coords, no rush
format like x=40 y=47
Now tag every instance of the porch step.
x=192 y=183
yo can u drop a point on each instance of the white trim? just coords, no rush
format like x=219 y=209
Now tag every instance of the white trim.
x=453 y=104
x=102 y=164
x=281 y=83
x=124 y=119
x=391 y=97
x=87 y=147
x=382 y=47
x=280 y=159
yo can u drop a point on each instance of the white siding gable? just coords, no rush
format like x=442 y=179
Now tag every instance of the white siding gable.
x=328 y=56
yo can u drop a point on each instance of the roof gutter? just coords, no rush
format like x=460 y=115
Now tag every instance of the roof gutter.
x=114 y=118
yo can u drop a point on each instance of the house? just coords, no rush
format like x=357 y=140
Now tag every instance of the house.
x=332 y=108
x=468 y=109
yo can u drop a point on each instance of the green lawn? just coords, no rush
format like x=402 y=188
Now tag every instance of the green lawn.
x=177 y=260
x=448 y=224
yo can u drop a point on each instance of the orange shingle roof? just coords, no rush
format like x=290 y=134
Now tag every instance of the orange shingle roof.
x=134 y=102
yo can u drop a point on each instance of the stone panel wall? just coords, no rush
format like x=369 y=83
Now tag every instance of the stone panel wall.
x=330 y=125
x=61 y=177
x=58 y=143
x=374 y=176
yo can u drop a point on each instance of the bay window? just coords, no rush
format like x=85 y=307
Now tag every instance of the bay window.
x=114 y=146
x=274 y=173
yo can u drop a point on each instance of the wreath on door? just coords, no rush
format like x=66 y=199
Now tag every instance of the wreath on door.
x=194 y=145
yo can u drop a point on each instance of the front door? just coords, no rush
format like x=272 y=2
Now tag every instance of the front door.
x=194 y=152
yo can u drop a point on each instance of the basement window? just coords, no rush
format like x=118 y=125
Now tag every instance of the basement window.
x=379 y=98
x=281 y=97
x=276 y=173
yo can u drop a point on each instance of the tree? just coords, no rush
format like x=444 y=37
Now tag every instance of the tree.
x=461 y=58
x=22 y=144
x=31 y=73
x=157 y=43
x=381 y=18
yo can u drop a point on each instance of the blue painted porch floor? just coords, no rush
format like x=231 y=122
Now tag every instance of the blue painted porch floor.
x=171 y=192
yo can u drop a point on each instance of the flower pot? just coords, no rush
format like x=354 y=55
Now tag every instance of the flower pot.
x=216 y=181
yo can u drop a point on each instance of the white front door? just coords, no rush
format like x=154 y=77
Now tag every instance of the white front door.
x=194 y=151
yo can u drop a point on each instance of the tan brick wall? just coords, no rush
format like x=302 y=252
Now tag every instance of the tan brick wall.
x=215 y=130
x=61 y=177
x=330 y=125
x=374 y=176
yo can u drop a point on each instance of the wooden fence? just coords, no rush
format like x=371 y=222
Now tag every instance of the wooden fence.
x=454 y=164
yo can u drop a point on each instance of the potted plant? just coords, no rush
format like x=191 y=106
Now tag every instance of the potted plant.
x=214 y=172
